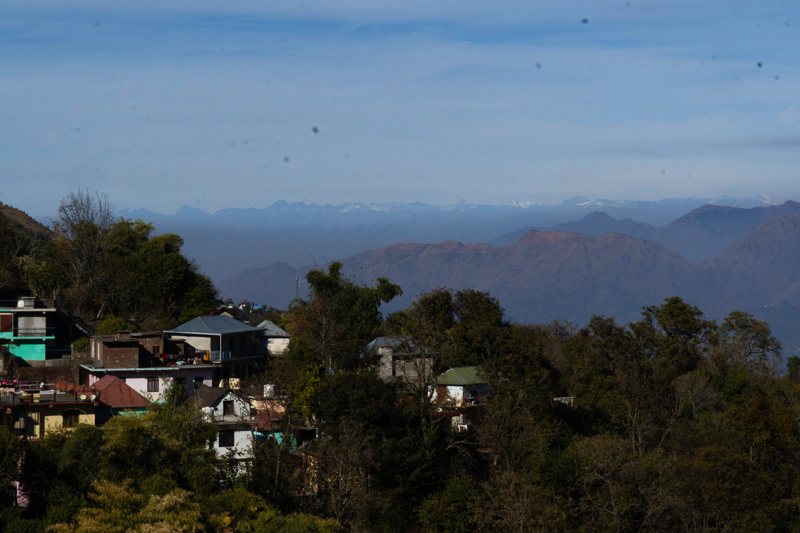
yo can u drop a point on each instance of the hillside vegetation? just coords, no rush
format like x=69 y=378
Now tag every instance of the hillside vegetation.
x=100 y=266
x=673 y=423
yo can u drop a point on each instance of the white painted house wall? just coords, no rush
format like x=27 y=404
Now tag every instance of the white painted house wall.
x=137 y=379
x=277 y=346
x=242 y=445
x=243 y=436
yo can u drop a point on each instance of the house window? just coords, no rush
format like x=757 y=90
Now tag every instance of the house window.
x=227 y=408
x=152 y=384
x=179 y=381
x=71 y=418
x=198 y=382
x=156 y=349
x=226 y=439
x=32 y=326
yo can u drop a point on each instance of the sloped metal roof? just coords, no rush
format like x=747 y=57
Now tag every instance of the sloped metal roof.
x=205 y=396
x=464 y=375
x=213 y=325
x=271 y=330
x=390 y=342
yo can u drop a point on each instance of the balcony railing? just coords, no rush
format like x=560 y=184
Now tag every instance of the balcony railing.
x=218 y=356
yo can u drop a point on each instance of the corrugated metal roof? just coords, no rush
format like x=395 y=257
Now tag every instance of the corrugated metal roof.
x=465 y=375
x=214 y=325
x=390 y=342
x=271 y=330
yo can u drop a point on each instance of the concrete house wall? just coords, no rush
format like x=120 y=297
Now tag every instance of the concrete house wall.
x=197 y=343
x=44 y=417
x=115 y=354
x=138 y=378
x=242 y=444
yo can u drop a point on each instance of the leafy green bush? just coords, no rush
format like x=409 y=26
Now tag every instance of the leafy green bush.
x=113 y=324
x=81 y=345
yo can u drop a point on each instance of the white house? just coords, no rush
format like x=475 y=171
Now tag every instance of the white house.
x=131 y=358
x=232 y=415
x=273 y=339
x=399 y=359
x=222 y=341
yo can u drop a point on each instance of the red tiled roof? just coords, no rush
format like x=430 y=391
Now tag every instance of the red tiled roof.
x=115 y=393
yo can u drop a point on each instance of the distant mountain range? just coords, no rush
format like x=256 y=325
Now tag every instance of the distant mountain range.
x=699 y=236
x=297 y=214
x=593 y=269
x=231 y=240
x=568 y=261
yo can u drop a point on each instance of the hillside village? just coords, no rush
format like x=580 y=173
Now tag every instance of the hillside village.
x=134 y=400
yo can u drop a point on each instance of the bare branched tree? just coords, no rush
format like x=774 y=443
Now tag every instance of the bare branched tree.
x=81 y=225
x=694 y=391
x=345 y=466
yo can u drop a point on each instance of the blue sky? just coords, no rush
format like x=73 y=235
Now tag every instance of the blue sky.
x=214 y=105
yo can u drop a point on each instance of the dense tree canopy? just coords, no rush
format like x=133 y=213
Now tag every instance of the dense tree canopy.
x=674 y=422
x=339 y=317
x=102 y=266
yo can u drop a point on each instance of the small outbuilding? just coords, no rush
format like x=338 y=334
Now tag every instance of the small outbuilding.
x=463 y=386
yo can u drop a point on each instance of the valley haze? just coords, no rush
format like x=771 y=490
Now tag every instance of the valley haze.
x=299 y=234
x=567 y=261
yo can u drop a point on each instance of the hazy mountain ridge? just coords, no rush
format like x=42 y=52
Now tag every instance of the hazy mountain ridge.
x=285 y=214
x=704 y=233
x=765 y=261
x=699 y=235
x=561 y=275
x=595 y=223
x=542 y=277
x=232 y=240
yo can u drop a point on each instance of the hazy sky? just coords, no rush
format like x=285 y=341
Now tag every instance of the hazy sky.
x=160 y=104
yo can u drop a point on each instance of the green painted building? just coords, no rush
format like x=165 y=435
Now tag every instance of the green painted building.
x=37 y=330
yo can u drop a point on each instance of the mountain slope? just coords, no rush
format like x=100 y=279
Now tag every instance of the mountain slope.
x=698 y=236
x=765 y=262
x=544 y=276
x=21 y=220
x=702 y=234
x=549 y=275
x=595 y=223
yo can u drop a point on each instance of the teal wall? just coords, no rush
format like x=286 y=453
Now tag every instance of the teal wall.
x=30 y=349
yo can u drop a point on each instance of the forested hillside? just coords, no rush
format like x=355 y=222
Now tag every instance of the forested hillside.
x=672 y=423
x=101 y=266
